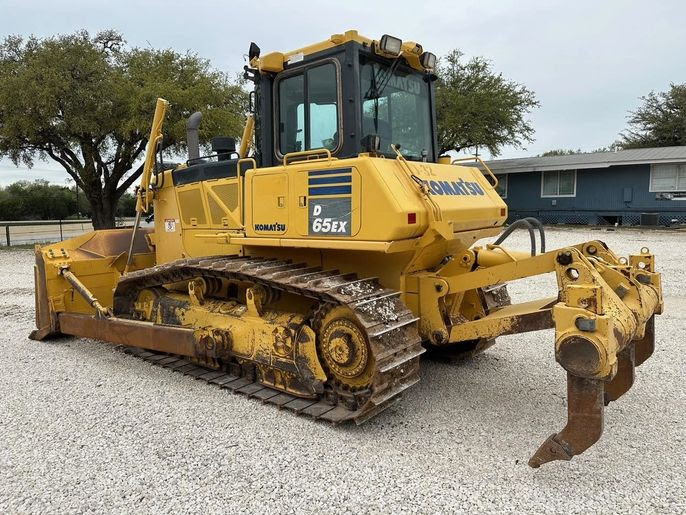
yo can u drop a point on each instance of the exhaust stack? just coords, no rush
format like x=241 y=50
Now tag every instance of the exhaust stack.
x=193 y=142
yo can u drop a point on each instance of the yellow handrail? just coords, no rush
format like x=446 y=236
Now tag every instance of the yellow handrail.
x=241 y=191
x=477 y=158
x=312 y=152
x=247 y=160
x=247 y=136
x=144 y=191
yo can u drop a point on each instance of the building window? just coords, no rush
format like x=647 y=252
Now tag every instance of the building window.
x=668 y=177
x=558 y=183
x=502 y=185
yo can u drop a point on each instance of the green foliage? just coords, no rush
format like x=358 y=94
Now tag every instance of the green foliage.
x=478 y=107
x=659 y=122
x=560 y=152
x=86 y=102
x=613 y=147
x=126 y=206
x=39 y=200
x=35 y=201
x=570 y=152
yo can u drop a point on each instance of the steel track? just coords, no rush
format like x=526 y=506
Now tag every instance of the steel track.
x=390 y=328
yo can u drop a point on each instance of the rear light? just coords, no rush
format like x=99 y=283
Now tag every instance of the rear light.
x=503 y=211
x=411 y=218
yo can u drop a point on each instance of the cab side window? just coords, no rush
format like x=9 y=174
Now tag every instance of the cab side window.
x=308 y=110
x=292 y=114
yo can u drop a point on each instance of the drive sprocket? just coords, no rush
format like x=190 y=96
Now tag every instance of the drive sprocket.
x=343 y=349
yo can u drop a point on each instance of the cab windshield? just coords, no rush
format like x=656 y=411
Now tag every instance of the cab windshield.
x=395 y=106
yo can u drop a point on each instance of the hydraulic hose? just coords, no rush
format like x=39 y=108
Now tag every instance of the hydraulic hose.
x=523 y=222
x=541 y=230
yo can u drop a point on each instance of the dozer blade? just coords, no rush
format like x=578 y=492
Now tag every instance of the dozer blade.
x=584 y=422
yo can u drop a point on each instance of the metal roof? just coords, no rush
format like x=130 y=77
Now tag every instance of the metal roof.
x=591 y=160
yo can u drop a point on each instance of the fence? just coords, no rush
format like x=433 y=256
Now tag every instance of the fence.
x=46 y=231
x=593 y=217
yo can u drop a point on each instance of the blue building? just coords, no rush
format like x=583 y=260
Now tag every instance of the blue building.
x=644 y=186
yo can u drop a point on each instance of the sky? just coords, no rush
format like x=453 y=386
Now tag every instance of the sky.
x=588 y=62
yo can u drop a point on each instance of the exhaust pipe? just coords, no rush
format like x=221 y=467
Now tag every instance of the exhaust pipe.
x=193 y=142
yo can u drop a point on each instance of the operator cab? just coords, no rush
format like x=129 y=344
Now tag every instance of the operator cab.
x=346 y=95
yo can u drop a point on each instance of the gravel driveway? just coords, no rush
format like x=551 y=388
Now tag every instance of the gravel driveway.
x=87 y=428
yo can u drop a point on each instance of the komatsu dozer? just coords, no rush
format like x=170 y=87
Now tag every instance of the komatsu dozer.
x=311 y=266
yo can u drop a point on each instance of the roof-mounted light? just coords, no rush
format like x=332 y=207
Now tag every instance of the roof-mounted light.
x=390 y=45
x=428 y=60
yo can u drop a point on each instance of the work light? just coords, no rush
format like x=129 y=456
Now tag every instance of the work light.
x=390 y=45
x=428 y=60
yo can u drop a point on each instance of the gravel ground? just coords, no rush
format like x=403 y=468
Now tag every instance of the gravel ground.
x=87 y=428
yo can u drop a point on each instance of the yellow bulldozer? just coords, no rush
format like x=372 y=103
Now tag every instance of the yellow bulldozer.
x=312 y=266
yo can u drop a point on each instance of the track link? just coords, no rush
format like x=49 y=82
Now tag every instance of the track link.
x=235 y=382
x=390 y=327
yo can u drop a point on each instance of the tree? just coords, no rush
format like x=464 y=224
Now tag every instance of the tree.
x=570 y=152
x=126 y=206
x=560 y=152
x=37 y=200
x=659 y=122
x=476 y=107
x=87 y=103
